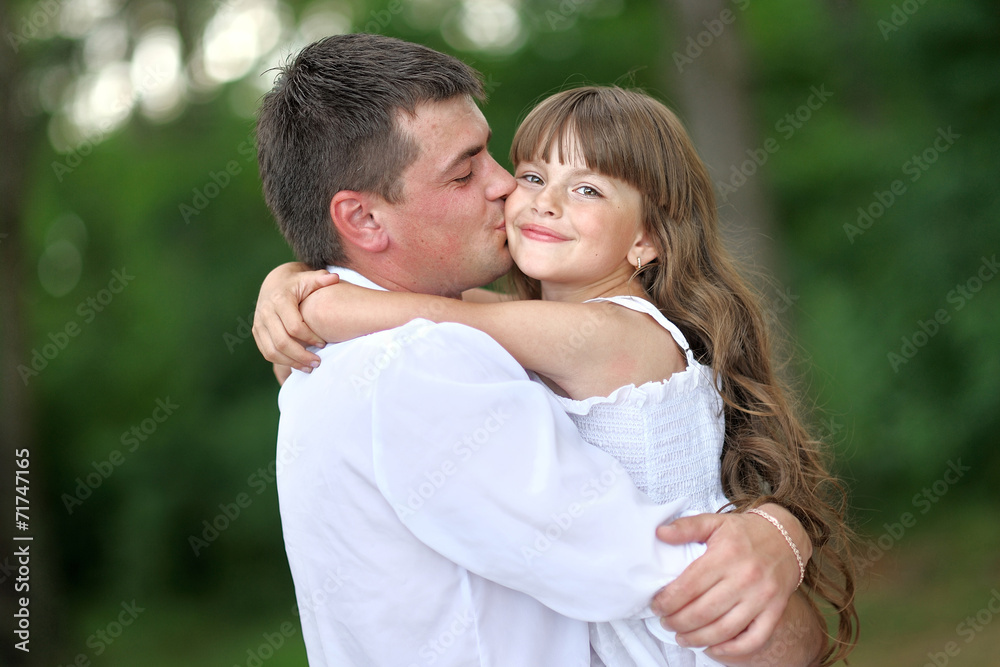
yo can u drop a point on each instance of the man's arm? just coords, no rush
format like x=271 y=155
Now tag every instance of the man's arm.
x=686 y=604
x=484 y=466
x=798 y=640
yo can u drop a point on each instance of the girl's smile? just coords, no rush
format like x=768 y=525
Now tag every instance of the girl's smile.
x=541 y=233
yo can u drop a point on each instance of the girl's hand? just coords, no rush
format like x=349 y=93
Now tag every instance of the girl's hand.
x=278 y=328
x=281 y=373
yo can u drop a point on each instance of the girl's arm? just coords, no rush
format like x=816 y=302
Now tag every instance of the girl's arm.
x=480 y=295
x=278 y=329
x=587 y=349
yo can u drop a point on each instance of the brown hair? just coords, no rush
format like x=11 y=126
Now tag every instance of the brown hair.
x=330 y=124
x=768 y=454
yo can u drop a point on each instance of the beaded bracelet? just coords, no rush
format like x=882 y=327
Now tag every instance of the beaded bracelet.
x=788 y=538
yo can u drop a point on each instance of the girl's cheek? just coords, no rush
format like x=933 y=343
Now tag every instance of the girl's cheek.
x=513 y=202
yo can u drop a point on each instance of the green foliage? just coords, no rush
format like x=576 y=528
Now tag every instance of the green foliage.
x=180 y=329
x=864 y=290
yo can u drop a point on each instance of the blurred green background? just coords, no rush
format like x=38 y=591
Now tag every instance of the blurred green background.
x=855 y=146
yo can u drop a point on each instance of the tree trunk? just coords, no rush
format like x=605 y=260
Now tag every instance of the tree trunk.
x=19 y=133
x=705 y=65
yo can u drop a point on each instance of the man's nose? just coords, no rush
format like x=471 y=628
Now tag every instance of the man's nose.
x=501 y=183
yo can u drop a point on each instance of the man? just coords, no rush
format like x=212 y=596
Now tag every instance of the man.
x=438 y=507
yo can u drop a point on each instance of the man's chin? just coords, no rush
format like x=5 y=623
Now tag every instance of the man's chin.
x=508 y=260
x=501 y=267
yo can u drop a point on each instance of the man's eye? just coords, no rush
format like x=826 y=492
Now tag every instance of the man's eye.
x=464 y=179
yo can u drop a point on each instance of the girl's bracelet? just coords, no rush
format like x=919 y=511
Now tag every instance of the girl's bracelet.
x=788 y=538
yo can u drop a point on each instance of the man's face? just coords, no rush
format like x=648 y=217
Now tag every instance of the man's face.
x=449 y=229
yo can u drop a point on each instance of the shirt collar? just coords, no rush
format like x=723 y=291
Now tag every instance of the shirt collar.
x=353 y=277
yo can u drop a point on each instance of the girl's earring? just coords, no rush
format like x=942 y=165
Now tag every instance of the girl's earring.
x=638 y=263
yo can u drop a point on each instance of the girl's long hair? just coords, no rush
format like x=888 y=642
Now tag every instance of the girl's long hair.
x=768 y=455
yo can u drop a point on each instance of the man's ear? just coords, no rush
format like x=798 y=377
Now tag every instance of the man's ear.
x=353 y=216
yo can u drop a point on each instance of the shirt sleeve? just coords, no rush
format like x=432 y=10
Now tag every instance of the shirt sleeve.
x=484 y=467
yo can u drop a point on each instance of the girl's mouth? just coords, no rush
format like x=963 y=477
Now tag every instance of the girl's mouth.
x=540 y=233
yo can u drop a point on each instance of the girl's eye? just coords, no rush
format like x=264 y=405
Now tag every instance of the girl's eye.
x=532 y=178
x=588 y=191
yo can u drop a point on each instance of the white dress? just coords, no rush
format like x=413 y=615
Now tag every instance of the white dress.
x=668 y=437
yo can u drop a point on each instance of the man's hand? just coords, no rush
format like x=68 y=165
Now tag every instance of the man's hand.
x=278 y=328
x=734 y=595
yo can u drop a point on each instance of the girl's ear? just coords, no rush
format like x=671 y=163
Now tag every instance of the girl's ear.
x=353 y=215
x=642 y=251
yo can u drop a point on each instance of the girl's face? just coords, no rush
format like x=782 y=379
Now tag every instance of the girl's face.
x=571 y=226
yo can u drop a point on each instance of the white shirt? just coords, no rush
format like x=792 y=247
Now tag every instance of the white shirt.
x=439 y=508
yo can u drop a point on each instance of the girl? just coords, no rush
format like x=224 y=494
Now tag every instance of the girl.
x=634 y=315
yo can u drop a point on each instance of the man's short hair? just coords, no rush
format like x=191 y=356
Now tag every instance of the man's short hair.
x=330 y=124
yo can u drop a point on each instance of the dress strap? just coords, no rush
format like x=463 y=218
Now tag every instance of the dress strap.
x=643 y=306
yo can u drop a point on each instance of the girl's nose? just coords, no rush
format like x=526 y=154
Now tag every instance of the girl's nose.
x=546 y=203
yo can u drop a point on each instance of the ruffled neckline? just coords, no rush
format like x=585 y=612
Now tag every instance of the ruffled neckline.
x=656 y=391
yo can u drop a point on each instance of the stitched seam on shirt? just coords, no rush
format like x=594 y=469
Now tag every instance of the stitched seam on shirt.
x=467 y=588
